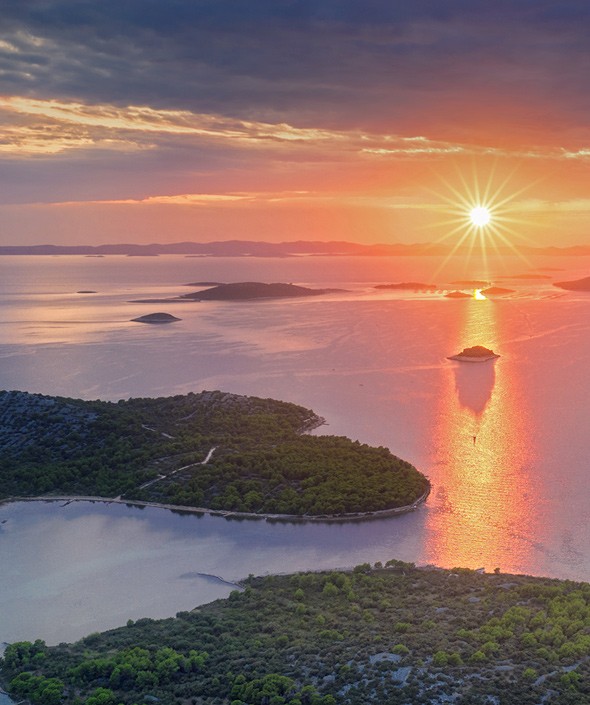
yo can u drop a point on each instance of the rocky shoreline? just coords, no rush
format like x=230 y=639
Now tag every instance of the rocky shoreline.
x=228 y=514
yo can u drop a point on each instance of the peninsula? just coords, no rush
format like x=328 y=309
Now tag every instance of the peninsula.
x=211 y=451
x=371 y=635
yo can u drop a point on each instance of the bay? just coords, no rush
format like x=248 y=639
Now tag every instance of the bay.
x=505 y=445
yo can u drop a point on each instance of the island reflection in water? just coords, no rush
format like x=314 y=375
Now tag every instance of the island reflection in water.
x=479 y=516
x=474 y=383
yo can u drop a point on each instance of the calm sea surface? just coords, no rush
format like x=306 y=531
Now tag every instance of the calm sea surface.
x=506 y=444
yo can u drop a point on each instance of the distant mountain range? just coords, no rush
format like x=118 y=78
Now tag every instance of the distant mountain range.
x=247 y=248
x=228 y=248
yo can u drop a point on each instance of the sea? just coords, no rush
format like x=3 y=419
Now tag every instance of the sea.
x=505 y=444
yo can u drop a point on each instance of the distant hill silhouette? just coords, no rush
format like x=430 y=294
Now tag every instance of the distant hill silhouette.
x=412 y=286
x=253 y=248
x=231 y=248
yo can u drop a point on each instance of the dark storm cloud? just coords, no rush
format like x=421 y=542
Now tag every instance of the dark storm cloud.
x=332 y=62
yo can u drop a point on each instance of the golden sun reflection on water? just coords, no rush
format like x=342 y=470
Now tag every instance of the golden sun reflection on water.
x=483 y=506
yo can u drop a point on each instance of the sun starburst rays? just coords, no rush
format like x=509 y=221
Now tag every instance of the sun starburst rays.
x=480 y=214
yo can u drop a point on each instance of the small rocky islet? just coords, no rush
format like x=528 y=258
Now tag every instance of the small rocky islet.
x=496 y=291
x=476 y=353
x=458 y=295
x=156 y=318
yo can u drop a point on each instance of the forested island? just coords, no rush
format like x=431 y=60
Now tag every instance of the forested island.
x=212 y=450
x=376 y=635
x=246 y=291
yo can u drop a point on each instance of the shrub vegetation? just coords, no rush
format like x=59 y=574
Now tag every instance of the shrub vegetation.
x=333 y=637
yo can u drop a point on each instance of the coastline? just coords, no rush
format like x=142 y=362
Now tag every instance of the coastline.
x=5 y=698
x=469 y=358
x=228 y=514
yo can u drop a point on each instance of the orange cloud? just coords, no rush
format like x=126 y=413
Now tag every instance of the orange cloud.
x=34 y=127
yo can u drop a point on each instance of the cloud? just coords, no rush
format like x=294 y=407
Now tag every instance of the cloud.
x=31 y=127
x=184 y=199
x=218 y=104
x=426 y=203
x=332 y=64
x=34 y=127
x=59 y=151
x=575 y=205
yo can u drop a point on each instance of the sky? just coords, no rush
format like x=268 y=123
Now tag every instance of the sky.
x=376 y=121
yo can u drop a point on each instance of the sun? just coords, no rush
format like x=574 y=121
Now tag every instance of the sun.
x=483 y=215
x=480 y=216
